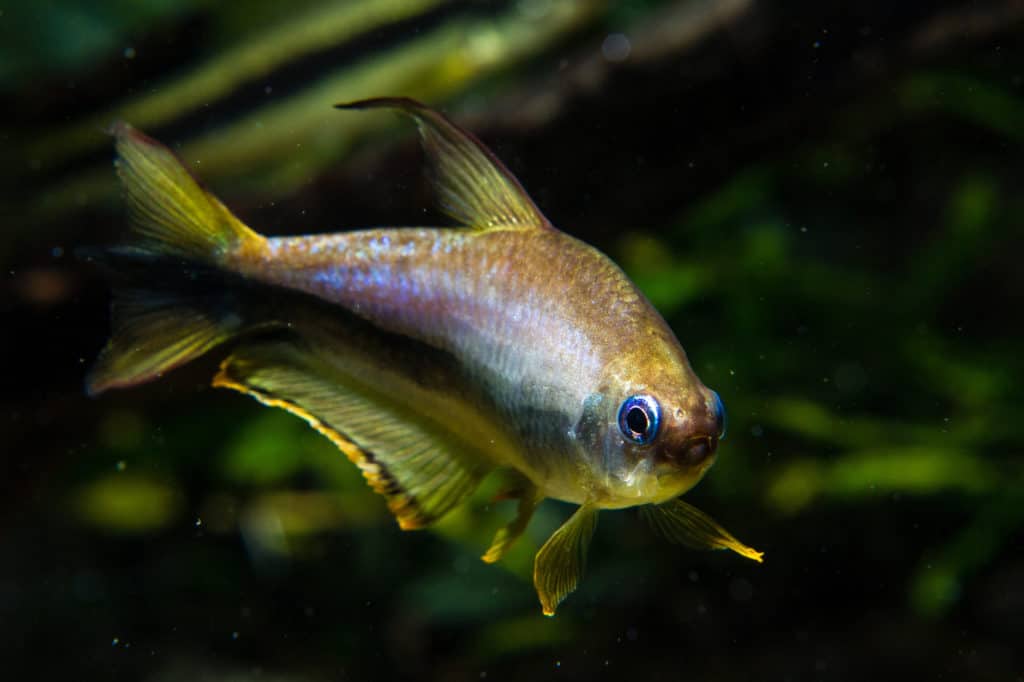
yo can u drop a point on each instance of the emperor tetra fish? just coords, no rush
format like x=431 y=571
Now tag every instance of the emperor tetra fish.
x=430 y=356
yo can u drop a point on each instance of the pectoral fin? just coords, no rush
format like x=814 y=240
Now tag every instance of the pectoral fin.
x=684 y=524
x=474 y=187
x=558 y=567
x=529 y=497
x=419 y=468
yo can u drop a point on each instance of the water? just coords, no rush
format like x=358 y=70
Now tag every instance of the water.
x=824 y=206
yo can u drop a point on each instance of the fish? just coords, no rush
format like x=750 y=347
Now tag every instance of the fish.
x=432 y=357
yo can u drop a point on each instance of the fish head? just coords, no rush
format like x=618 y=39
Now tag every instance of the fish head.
x=660 y=431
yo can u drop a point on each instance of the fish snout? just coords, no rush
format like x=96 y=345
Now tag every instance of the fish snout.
x=705 y=427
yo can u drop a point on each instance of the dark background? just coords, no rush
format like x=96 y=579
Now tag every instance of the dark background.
x=823 y=199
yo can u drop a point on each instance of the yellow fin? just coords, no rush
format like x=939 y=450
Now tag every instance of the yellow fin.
x=163 y=315
x=168 y=208
x=154 y=332
x=414 y=464
x=529 y=498
x=684 y=524
x=559 y=565
x=474 y=187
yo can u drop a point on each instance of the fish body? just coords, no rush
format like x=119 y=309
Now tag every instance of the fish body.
x=430 y=356
x=539 y=349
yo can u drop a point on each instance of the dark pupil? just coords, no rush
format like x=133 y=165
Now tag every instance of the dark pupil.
x=636 y=420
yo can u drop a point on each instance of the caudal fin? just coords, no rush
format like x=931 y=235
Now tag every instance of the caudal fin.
x=170 y=212
x=155 y=331
x=171 y=302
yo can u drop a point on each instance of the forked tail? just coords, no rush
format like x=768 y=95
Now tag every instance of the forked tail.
x=172 y=302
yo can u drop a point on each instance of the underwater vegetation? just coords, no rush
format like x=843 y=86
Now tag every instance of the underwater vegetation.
x=822 y=202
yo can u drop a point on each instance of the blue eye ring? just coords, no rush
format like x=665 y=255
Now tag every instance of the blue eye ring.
x=723 y=416
x=639 y=418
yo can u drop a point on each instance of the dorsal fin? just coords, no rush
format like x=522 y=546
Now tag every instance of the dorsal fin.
x=474 y=187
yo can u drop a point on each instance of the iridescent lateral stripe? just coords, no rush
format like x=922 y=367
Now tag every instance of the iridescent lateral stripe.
x=466 y=292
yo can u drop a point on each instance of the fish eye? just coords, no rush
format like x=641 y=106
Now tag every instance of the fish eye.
x=639 y=417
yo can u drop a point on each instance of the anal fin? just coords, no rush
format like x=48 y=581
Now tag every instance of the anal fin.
x=420 y=469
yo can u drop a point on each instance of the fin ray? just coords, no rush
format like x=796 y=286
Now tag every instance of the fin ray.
x=169 y=210
x=155 y=332
x=181 y=231
x=418 y=468
x=684 y=524
x=560 y=563
x=473 y=185
x=506 y=536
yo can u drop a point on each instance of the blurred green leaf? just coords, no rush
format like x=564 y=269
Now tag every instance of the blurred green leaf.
x=914 y=470
x=54 y=36
x=974 y=100
x=268 y=448
x=128 y=503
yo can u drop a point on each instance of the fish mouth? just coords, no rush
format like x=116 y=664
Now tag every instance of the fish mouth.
x=696 y=453
x=699 y=451
x=686 y=465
